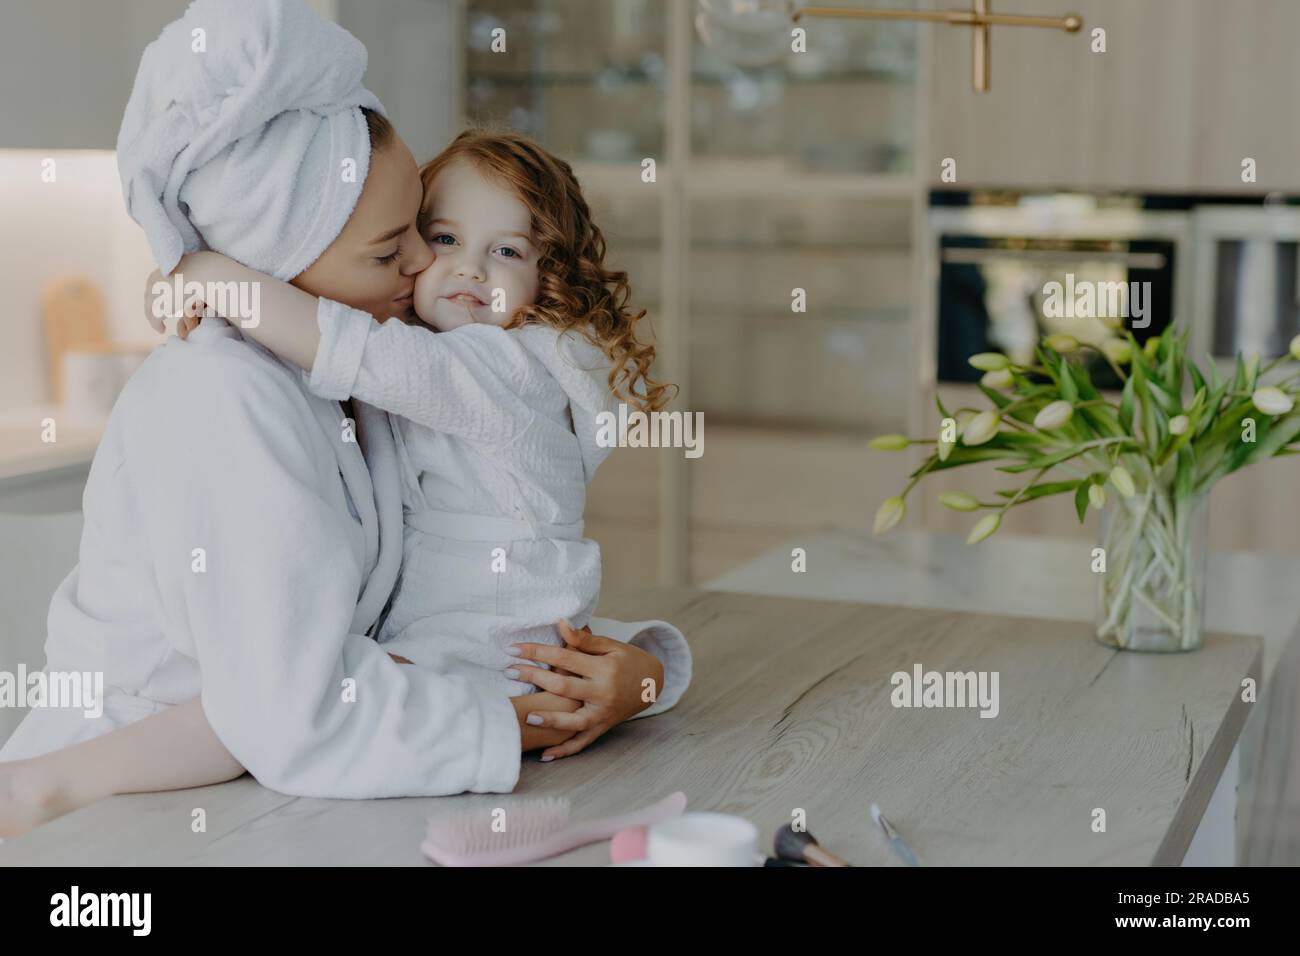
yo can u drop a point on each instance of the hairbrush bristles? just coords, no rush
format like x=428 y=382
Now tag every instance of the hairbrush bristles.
x=495 y=836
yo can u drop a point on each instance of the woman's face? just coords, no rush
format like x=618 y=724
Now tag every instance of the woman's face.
x=485 y=261
x=373 y=262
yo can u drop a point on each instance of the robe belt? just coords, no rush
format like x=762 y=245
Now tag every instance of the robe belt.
x=463 y=527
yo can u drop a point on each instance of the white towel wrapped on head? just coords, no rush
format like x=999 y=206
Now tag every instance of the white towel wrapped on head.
x=237 y=131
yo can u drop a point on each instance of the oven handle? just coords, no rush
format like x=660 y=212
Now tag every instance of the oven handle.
x=1134 y=260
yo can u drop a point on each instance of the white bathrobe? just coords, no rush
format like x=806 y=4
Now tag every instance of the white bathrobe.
x=235 y=546
x=496 y=439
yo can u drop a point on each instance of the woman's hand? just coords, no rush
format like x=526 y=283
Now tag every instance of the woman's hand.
x=532 y=737
x=612 y=680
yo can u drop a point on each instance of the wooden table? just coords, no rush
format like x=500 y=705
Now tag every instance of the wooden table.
x=1252 y=819
x=790 y=710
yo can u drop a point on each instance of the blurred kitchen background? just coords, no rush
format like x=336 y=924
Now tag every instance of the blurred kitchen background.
x=775 y=171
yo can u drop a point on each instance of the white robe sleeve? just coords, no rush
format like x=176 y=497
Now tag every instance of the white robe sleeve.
x=229 y=460
x=467 y=382
x=663 y=641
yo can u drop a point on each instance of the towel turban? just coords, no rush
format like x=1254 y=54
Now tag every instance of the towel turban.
x=244 y=134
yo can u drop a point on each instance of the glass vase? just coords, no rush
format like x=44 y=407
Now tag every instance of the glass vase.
x=1151 y=595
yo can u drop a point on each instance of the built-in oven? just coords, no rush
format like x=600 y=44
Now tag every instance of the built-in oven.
x=1003 y=271
x=1246 y=281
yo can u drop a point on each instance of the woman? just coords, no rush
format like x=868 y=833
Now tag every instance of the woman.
x=242 y=536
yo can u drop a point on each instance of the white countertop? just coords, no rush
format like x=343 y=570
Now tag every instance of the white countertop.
x=23 y=453
x=1247 y=592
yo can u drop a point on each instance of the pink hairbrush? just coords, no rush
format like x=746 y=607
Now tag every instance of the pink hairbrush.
x=536 y=829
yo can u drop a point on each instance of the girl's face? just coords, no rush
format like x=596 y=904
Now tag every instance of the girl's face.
x=485 y=263
x=372 y=263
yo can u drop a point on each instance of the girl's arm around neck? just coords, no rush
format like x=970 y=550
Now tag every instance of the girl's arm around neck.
x=283 y=316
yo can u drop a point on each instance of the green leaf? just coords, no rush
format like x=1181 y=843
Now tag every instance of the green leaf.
x=1169 y=371
x=1215 y=378
x=943 y=412
x=1083 y=382
x=1126 y=405
x=961 y=455
x=997 y=398
x=1104 y=421
x=1186 y=474
x=1007 y=438
x=1239 y=376
x=1044 y=461
x=1228 y=422
x=1198 y=380
x=1146 y=406
x=1283 y=432
x=1167 y=401
x=1081 y=499
x=1043 y=490
x=1069 y=391
x=1238 y=455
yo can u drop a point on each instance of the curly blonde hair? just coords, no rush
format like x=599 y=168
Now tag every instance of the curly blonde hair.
x=575 y=290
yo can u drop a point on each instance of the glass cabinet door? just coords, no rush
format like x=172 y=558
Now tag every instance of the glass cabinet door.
x=843 y=103
x=584 y=77
x=801 y=201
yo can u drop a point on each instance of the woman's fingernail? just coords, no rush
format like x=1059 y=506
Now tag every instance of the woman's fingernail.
x=535 y=719
x=512 y=673
x=547 y=759
x=516 y=650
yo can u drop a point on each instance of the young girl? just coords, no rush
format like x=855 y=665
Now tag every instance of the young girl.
x=498 y=412
x=526 y=338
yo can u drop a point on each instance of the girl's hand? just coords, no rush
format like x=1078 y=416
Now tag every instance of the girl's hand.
x=158 y=322
x=609 y=678
x=189 y=318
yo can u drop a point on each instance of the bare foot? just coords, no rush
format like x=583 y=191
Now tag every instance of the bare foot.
x=29 y=797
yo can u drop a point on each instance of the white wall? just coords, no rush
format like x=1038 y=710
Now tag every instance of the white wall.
x=66 y=67
x=74 y=226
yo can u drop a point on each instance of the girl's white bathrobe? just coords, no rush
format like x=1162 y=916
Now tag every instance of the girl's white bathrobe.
x=496 y=438
x=235 y=546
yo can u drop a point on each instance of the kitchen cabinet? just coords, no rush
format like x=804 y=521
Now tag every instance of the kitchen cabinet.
x=1185 y=91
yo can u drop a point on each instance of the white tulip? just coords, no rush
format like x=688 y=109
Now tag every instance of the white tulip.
x=981 y=428
x=1061 y=343
x=1178 y=424
x=889 y=514
x=889 y=442
x=1097 y=496
x=1053 y=415
x=1272 y=400
x=958 y=501
x=998 y=378
x=1123 y=481
x=989 y=361
x=1117 y=350
x=984 y=527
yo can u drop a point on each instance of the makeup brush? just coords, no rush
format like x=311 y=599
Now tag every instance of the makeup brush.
x=802 y=847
